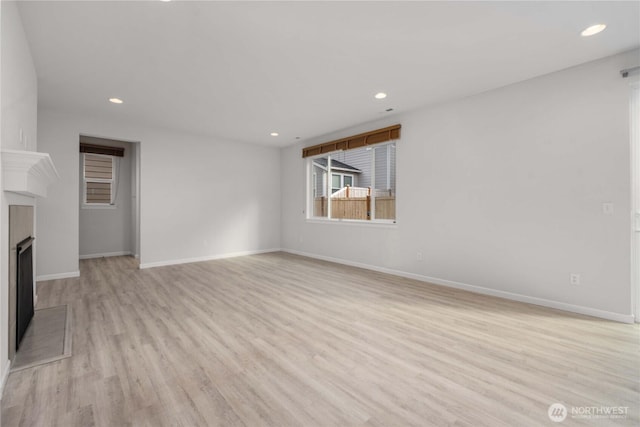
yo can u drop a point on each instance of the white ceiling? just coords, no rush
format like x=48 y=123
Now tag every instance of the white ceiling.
x=240 y=70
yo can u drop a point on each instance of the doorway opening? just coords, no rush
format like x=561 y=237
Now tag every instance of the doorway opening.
x=109 y=216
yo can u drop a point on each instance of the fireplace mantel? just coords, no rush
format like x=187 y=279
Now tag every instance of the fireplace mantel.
x=27 y=172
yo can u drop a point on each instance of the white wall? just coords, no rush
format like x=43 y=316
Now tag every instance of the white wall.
x=18 y=85
x=502 y=193
x=200 y=197
x=109 y=231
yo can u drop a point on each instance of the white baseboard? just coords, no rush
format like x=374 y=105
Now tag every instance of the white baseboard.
x=67 y=275
x=618 y=317
x=105 y=255
x=5 y=375
x=204 y=258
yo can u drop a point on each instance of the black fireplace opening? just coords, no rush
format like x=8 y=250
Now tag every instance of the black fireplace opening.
x=24 y=288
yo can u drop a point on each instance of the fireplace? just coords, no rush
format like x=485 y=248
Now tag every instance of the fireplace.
x=24 y=288
x=21 y=250
x=25 y=176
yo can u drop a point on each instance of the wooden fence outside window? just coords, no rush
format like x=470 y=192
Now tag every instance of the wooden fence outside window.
x=349 y=203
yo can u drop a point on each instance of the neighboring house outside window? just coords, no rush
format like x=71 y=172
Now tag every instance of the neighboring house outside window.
x=342 y=175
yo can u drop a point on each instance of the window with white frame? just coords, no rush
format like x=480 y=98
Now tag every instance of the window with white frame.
x=99 y=179
x=362 y=183
x=339 y=181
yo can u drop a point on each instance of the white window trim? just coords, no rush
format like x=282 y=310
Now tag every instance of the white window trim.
x=314 y=185
x=98 y=206
x=385 y=223
x=86 y=205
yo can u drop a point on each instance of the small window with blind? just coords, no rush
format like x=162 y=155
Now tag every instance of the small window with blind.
x=99 y=179
x=99 y=170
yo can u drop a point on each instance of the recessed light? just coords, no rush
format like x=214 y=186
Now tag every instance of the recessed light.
x=116 y=100
x=594 y=29
x=380 y=95
x=274 y=134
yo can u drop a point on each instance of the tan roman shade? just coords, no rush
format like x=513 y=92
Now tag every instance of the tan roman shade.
x=355 y=141
x=97 y=169
x=99 y=192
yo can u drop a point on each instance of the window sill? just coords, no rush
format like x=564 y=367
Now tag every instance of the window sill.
x=86 y=206
x=356 y=222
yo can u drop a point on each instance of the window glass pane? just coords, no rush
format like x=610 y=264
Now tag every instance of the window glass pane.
x=351 y=204
x=99 y=192
x=97 y=167
x=319 y=201
x=359 y=159
x=385 y=182
x=335 y=183
x=355 y=171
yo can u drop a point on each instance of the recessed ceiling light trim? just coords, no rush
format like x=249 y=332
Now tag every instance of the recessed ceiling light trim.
x=274 y=134
x=592 y=30
x=380 y=95
x=116 y=100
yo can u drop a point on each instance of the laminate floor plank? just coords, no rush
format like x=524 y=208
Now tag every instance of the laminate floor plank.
x=282 y=340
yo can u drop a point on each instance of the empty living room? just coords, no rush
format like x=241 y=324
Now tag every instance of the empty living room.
x=319 y=213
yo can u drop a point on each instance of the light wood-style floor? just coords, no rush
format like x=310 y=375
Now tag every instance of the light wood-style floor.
x=282 y=340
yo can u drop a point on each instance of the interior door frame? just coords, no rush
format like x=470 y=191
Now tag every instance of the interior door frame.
x=136 y=175
x=634 y=131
